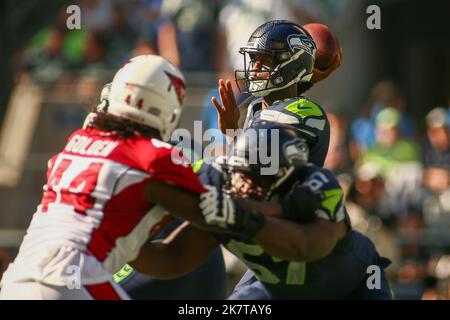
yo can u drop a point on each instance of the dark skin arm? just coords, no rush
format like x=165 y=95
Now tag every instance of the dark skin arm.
x=180 y=253
x=284 y=239
x=300 y=242
x=180 y=202
x=292 y=241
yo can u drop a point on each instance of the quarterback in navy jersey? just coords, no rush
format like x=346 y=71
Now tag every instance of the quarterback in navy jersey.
x=278 y=68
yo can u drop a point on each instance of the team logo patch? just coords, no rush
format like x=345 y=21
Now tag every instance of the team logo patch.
x=178 y=84
x=296 y=151
x=301 y=41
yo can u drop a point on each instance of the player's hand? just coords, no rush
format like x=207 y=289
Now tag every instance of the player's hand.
x=319 y=75
x=221 y=211
x=228 y=112
x=300 y=204
x=216 y=209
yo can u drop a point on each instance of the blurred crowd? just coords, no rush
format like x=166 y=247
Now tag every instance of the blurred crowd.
x=195 y=35
x=397 y=184
x=395 y=169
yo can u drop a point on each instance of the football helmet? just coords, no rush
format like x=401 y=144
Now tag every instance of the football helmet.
x=148 y=90
x=259 y=148
x=292 y=50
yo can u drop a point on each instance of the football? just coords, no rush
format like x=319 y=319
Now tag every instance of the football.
x=326 y=42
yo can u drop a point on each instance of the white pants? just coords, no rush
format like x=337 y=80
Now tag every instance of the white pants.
x=34 y=290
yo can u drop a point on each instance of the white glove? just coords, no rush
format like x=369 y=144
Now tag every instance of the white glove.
x=217 y=209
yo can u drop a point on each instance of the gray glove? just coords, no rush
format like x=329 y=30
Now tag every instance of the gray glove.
x=221 y=211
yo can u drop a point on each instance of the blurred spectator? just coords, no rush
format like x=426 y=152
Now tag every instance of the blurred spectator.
x=74 y=45
x=390 y=149
x=120 y=38
x=98 y=15
x=192 y=23
x=386 y=94
x=436 y=149
x=363 y=199
x=362 y=133
x=309 y=11
x=367 y=189
x=95 y=59
x=368 y=193
x=409 y=285
x=45 y=61
x=397 y=161
x=436 y=175
x=140 y=13
x=93 y=70
x=183 y=32
x=363 y=129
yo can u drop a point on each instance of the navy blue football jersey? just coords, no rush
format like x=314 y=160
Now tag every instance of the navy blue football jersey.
x=303 y=114
x=335 y=276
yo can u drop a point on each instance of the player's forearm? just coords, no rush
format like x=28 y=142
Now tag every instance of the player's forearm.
x=294 y=242
x=160 y=259
x=180 y=253
x=179 y=202
x=267 y=208
x=189 y=210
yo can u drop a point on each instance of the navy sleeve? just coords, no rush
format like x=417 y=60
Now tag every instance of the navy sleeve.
x=332 y=197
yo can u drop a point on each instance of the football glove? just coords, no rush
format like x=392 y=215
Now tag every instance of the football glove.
x=221 y=211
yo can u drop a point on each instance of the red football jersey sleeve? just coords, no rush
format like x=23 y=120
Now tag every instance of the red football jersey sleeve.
x=171 y=166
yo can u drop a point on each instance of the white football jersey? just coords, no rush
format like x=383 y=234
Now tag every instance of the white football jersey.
x=94 y=217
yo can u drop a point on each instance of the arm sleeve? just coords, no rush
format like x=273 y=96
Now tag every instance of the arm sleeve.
x=173 y=168
x=332 y=197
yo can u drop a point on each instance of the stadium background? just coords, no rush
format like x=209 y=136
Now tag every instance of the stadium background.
x=398 y=188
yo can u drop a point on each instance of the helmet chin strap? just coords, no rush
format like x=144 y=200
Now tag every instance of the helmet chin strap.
x=277 y=183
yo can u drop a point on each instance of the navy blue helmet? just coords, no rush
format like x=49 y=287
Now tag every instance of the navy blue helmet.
x=291 y=47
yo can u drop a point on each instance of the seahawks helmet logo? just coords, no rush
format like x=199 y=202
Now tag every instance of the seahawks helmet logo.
x=301 y=41
x=296 y=152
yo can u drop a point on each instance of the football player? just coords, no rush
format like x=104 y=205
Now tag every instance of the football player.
x=195 y=285
x=278 y=69
x=303 y=246
x=98 y=203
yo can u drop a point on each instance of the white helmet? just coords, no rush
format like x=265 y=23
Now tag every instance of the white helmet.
x=148 y=90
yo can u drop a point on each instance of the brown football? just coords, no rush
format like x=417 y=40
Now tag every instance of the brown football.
x=326 y=42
